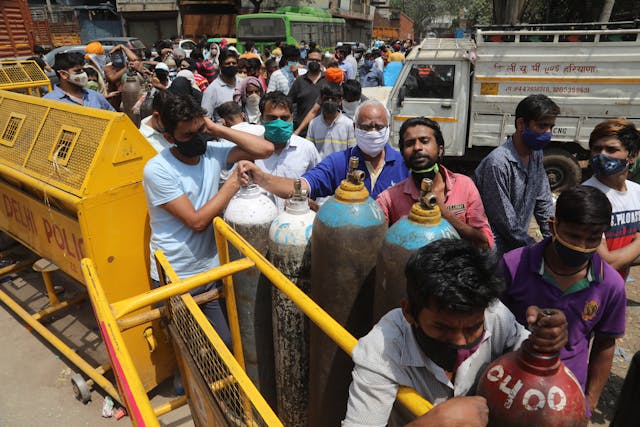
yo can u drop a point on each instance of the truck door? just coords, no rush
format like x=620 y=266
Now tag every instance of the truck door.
x=439 y=91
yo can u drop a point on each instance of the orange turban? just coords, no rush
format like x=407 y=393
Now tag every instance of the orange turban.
x=334 y=74
x=94 y=47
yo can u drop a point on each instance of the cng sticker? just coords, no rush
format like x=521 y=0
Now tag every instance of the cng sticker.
x=533 y=399
x=488 y=88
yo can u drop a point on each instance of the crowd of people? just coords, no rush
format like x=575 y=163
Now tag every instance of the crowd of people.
x=220 y=119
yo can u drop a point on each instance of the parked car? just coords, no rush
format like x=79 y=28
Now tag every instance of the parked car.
x=188 y=45
x=133 y=43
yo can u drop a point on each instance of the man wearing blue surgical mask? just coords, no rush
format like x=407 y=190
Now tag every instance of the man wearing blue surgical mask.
x=614 y=147
x=292 y=155
x=512 y=181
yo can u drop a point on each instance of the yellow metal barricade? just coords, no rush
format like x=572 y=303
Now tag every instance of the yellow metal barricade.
x=23 y=75
x=219 y=391
x=71 y=187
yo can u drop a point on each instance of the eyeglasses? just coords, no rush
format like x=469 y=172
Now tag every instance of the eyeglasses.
x=371 y=126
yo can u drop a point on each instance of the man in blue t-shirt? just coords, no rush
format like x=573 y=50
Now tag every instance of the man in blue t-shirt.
x=181 y=185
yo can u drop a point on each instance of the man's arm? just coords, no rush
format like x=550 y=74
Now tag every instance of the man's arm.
x=114 y=76
x=200 y=219
x=466 y=231
x=307 y=119
x=371 y=398
x=600 y=360
x=543 y=209
x=248 y=146
x=469 y=411
x=208 y=99
x=280 y=186
x=620 y=258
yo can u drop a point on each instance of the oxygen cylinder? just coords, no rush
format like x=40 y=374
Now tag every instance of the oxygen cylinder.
x=290 y=252
x=526 y=388
x=347 y=234
x=131 y=92
x=250 y=212
x=423 y=226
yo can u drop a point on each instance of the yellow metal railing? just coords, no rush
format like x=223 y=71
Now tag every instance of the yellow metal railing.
x=22 y=75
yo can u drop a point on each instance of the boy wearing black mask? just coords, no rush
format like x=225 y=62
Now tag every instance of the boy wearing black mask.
x=450 y=326
x=566 y=272
x=181 y=186
x=331 y=131
x=221 y=90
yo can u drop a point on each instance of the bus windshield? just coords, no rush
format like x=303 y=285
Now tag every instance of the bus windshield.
x=261 y=29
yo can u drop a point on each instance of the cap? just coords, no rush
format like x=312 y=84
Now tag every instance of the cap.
x=162 y=66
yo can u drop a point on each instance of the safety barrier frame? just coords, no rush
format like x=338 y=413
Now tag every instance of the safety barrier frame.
x=23 y=75
x=115 y=317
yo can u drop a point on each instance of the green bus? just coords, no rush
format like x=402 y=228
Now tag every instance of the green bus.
x=290 y=25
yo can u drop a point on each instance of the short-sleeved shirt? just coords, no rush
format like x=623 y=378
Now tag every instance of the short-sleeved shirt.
x=304 y=94
x=348 y=70
x=155 y=138
x=90 y=98
x=511 y=192
x=331 y=137
x=461 y=198
x=217 y=94
x=282 y=80
x=389 y=357
x=297 y=157
x=625 y=215
x=327 y=175
x=598 y=308
x=206 y=69
x=165 y=179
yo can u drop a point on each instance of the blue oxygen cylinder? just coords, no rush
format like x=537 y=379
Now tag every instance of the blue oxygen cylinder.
x=347 y=234
x=423 y=226
x=290 y=252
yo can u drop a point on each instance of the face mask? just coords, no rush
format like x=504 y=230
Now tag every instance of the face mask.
x=368 y=64
x=330 y=107
x=278 y=131
x=292 y=64
x=100 y=60
x=419 y=175
x=253 y=100
x=446 y=355
x=313 y=67
x=242 y=75
x=372 y=143
x=79 y=80
x=196 y=146
x=536 y=141
x=229 y=71
x=603 y=165
x=571 y=255
x=349 y=108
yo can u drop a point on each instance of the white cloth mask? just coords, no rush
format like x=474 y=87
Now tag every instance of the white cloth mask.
x=372 y=143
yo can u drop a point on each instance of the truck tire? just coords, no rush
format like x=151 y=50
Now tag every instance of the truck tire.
x=562 y=169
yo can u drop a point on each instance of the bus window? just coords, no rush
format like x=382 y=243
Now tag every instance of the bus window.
x=261 y=29
x=298 y=31
x=430 y=81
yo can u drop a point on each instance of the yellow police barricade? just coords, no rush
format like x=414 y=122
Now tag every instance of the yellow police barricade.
x=71 y=187
x=218 y=390
x=24 y=76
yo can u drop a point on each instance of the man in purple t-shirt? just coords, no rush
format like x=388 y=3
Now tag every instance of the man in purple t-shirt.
x=566 y=272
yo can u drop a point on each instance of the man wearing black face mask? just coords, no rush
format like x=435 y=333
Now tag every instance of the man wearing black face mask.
x=614 y=146
x=566 y=272
x=331 y=131
x=305 y=89
x=221 y=90
x=450 y=326
x=181 y=186
x=422 y=147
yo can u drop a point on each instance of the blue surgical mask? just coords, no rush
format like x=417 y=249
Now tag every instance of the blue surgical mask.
x=534 y=140
x=368 y=64
x=278 y=131
x=603 y=165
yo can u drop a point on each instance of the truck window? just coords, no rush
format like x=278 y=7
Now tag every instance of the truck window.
x=430 y=81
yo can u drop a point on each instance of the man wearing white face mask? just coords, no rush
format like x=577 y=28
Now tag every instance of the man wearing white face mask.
x=73 y=78
x=382 y=165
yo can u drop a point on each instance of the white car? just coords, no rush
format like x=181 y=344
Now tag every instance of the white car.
x=188 y=45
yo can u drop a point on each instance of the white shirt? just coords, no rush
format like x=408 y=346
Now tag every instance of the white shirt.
x=389 y=357
x=155 y=138
x=379 y=62
x=298 y=156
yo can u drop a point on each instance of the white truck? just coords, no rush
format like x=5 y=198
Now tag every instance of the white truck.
x=472 y=86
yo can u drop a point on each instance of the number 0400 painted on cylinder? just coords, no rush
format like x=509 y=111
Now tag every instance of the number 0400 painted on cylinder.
x=532 y=399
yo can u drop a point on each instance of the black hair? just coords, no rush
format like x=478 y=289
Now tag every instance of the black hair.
x=91 y=72
x=227 y=53
x=622 y=129
x=253 y=64
x=67 y=60
x=420 y=121
x=180 y=108
x=584 y=205
x=331 y=89
x=312 y=45
x=271 y=62
x=192 y=64
x=38 y=50
x=38 y=60
x=277 y=99
x=453 y=275
x=344 y=49
x=229 y=109
x=163 y=44
x=159 y=100
x=536 y=107
x=314 y=50
x=290 y=52
x=248 y=46
x=351 y=89
x=196 y=55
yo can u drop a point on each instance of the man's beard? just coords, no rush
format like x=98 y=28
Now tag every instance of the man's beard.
x=419 y=173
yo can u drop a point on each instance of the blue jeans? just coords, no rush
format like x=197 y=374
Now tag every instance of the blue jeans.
x=215 y=311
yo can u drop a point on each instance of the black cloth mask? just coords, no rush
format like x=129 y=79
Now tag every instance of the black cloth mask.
x=196 y=146
x=446 y=355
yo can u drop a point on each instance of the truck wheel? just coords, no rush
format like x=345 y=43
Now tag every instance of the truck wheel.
x=562 y=170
